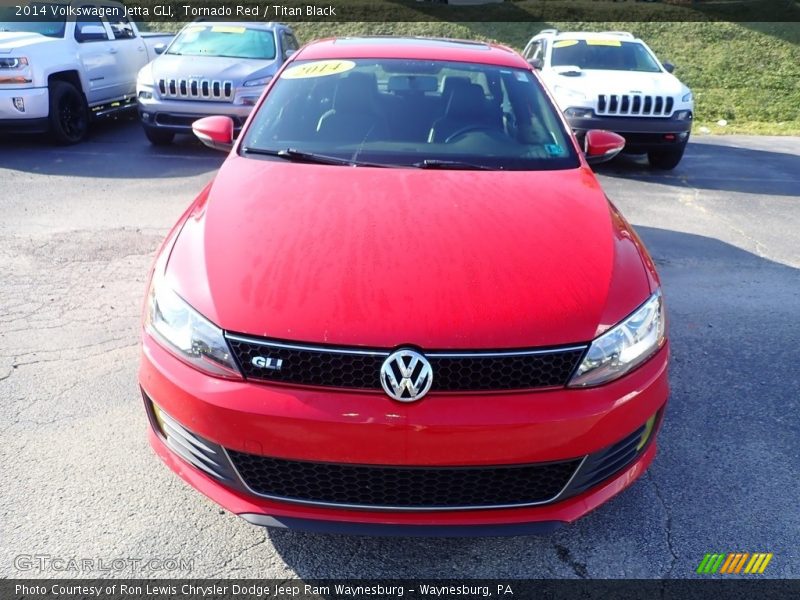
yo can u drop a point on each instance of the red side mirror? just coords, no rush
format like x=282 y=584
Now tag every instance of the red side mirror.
x=215 y=132
x=601 y=145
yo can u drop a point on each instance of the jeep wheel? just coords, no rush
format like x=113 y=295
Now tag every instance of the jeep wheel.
x=69 y=114
x=666 y=159
x=158 y=137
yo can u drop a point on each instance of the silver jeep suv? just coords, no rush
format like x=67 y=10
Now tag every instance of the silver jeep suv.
x=210 y=68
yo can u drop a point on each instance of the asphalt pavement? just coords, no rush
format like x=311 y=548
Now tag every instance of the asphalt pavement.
x=78 y=228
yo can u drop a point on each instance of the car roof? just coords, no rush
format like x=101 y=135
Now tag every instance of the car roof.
x=413 y=48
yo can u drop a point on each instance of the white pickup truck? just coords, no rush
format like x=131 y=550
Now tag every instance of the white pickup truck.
x=63 y=63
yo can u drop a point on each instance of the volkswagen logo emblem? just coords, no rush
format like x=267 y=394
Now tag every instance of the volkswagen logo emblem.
x=406 y=376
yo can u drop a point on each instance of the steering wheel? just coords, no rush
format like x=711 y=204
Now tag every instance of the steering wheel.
x=469 y=129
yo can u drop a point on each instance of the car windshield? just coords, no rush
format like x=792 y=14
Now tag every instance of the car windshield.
x=607 y=54
x=231 y=41
x=53 y=27
x=421 y=113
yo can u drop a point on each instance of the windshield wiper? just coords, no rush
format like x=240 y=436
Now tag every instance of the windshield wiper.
x=433 y=163
x=309 y=157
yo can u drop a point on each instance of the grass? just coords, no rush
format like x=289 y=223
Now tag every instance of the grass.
x=747 y=74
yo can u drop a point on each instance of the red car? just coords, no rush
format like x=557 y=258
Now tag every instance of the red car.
x=405 y=304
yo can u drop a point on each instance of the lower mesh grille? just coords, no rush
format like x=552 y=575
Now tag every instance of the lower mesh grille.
x=180 y=120
x=421 y=488
x=404 y=488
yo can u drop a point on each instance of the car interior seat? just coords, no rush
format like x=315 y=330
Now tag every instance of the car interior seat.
x=466 y=108
x=355 y=115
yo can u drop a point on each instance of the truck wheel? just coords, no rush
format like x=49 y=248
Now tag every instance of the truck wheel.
x=159 y=137
x=69 y=114
x=666 y=159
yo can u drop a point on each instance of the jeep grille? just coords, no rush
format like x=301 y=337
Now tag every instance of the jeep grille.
x=196 y=89
x=634 y=105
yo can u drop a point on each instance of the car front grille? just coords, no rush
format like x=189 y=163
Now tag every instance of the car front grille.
x=418 y=488
x=196 y=89
x=634 y=105
x=453 y=371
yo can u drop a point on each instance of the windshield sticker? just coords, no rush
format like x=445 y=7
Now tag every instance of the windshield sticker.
x=603 y=42
x=227 y=29
x=554 y=149
x=320 y=68
x=564 y=43
x=520 y=76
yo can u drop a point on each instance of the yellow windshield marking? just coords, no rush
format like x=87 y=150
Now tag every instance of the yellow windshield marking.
x=318 y=68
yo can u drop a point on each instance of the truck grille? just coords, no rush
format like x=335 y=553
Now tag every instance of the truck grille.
x=196 y=89
x=399 y=487
x=453 y=371
x=634 y=105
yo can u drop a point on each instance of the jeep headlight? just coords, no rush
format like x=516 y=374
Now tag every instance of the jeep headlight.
x=258 y=82
x=185 y=332
x=687 y=97
x=624 y=346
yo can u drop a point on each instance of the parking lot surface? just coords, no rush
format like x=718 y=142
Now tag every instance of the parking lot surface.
x=78 y=228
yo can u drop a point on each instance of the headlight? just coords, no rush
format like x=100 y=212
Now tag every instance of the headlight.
x=625 y=346
x=575 y=111
x=565 y=92
x=258 y=82
x=13 y=62
x=687 y=97
x=185 y=332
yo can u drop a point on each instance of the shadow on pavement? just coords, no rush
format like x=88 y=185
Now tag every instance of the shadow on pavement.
x=719 y=167
x=733 y=381
x=116 y=148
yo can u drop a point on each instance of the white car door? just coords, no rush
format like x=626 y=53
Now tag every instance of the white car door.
x=94 y=51
x=129 y=52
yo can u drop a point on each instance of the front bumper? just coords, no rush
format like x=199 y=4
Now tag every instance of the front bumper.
x=641 y=133
x=355 y=428
x=37 y=109
x=177 y=116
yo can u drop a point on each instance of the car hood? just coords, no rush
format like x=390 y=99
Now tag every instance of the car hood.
x=13 y=40
x=386 y=257
x=169 y=66
x=595 y=82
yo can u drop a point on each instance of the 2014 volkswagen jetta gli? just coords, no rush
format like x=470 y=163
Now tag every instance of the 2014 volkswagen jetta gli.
x=405 y=304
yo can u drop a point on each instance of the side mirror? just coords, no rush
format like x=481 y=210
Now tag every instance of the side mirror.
x=92 y=33
x=215 y=132
x=159 y=48
x=288 y=54
x=601 y=146
x=536 y=63
x=668 y=67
